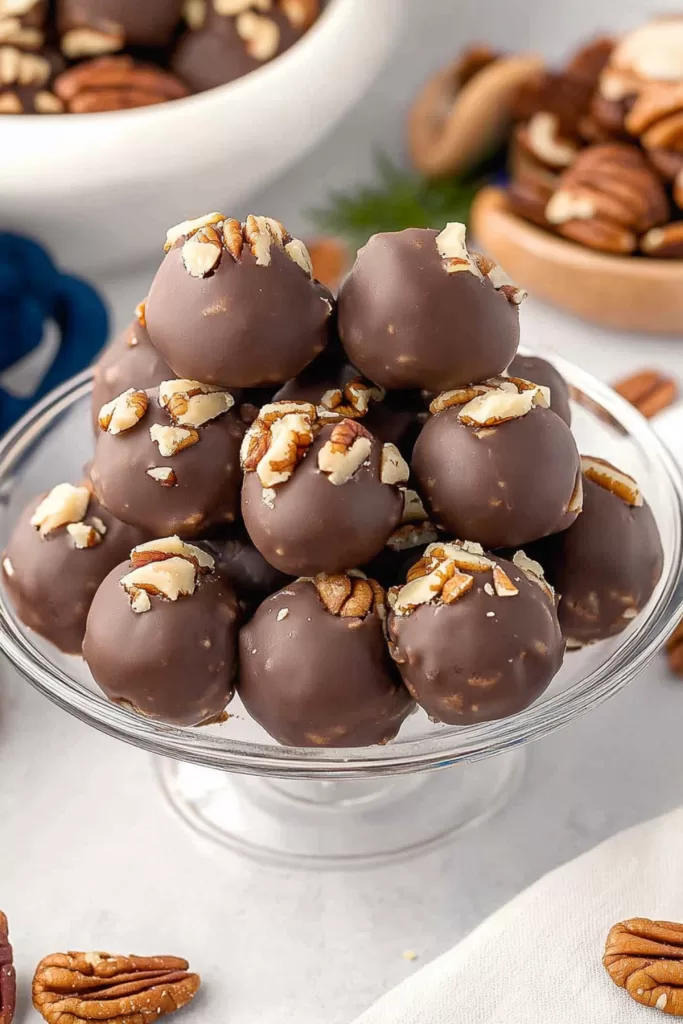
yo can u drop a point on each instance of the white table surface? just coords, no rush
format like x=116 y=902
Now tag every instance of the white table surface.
x=90 y=856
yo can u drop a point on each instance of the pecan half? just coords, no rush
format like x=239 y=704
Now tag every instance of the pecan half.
x=646 y=958
x=649 y=390
x=115 y=83
x=607 y=198
x=72 y=987
x=349 y=596
x=8 y=978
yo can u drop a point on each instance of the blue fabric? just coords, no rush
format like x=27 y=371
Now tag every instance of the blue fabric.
x=33 y=291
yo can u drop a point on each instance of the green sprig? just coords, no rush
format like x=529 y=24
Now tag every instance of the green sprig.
x=399 y=199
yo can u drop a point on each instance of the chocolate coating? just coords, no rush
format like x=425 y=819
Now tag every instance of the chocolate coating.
x=238 y=561
x=215 y=54
x=604 y=567
x=51 y=582
x=312 y=679
x=466 y=665
x=208 y=476
x=316 y=526
x=539 y=371
x=405 y=322
x=244 y=325
x=129 y=361
x=176 y=662
x=502 y=486
x=134 y=23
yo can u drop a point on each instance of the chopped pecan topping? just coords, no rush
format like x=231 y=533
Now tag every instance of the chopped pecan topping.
x=21 y=69
x=190 y=403
x=394 y=470
x=163 y=475
x=612 y=479
x=168 y=567
x=349 y=596
x=260 y=34
x=63 y=505
x=347 y=448
x=8 y=978
x=171 y=547
x=206 y=240
x=493 y=401
x=73 y=987
x=172 y=440
x=350 y=402
x=412 y=535
x=452 y=246
x=646 y=958
x=413 y=508
x=442 y=575
x=534 y=572
x=123 y=412
x=87 y=535
x=277 y=441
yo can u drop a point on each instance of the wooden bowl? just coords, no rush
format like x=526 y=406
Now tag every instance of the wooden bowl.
x=628 y=293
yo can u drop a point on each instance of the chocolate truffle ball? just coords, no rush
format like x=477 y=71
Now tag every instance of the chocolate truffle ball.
x=314 y=666
x=225 y=43
x=162 y=634
x=420 y=311
x=89 y=27
x=129 y=361
x=607 y=564
x=60 y=550
x=540 y=371
x=238 y=561
x=318 y=498
x=167 y=459
x=475 y=639
x=496 y=466
x=236 y=305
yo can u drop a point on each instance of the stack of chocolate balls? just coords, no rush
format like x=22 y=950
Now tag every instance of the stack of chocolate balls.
x=337 y=509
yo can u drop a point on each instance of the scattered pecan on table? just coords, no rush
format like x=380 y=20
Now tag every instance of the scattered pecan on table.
x=8 y=979
x=72 y=987
x=646 y=958
x=648 y=390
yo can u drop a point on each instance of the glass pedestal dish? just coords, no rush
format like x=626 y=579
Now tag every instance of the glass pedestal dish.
x=346 y=807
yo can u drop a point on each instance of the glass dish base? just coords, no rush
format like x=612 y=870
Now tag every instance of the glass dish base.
x=323 y=824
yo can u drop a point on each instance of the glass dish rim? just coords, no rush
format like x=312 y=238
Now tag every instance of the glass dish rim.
x=436 y=751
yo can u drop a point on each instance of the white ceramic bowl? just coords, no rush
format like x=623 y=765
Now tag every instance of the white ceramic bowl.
x=100 y=189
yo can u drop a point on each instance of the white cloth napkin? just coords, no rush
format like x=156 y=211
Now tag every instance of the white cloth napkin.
x=539 y=959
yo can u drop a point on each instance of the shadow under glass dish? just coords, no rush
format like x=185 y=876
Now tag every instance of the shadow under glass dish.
x=332 y=807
